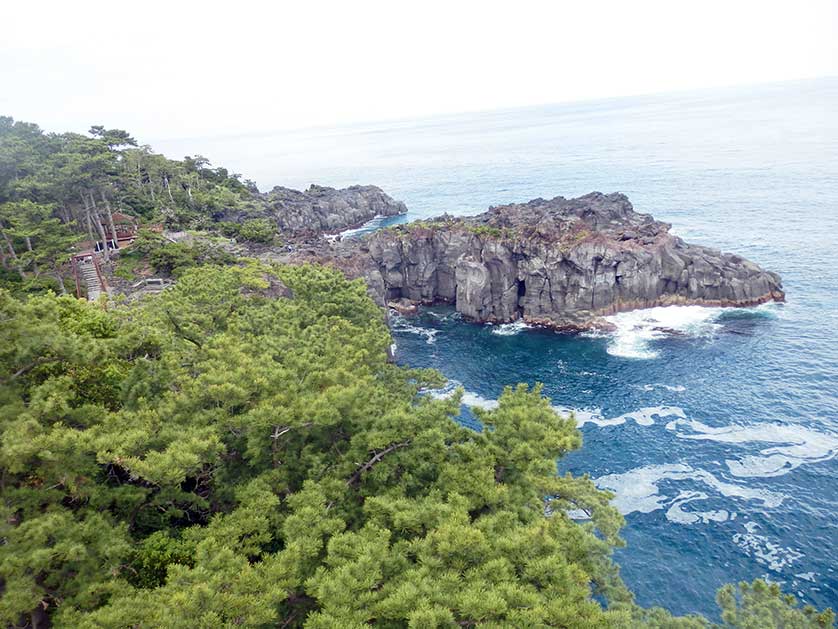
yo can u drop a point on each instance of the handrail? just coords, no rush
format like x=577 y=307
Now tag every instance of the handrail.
x=102 y=283
x=76 y=276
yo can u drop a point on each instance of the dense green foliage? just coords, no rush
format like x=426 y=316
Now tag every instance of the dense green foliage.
x=238 y=451
x=57 y=189
x=259 y=230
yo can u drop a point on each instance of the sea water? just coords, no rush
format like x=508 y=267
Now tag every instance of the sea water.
x=719 y=436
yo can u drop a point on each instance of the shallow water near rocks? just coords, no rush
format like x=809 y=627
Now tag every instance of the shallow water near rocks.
x=717 y=429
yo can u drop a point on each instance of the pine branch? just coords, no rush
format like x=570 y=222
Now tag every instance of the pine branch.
x=356 y=477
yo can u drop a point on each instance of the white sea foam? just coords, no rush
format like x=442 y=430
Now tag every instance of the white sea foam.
x=354 y=231
x=400 y=323
x=677 y=514
x=510 y=329
x=475 y=399
x=470 y=398
x=443 y=393
x=636 y=330
x=765 y=551
x=643 y=416
x=793 y=445
x=638 y=491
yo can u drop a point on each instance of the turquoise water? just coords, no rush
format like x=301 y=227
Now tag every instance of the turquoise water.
x=719 y=440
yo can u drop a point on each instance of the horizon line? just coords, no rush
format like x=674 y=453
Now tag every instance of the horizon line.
x=471 y=112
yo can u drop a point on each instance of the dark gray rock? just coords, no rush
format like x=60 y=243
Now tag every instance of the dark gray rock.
x=322 y=209
x=560 y=262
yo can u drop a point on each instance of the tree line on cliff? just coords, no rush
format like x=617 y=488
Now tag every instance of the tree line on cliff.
x=59 y=188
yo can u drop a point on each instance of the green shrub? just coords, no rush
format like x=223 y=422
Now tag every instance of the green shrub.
x=173 y=256
x=260 y=230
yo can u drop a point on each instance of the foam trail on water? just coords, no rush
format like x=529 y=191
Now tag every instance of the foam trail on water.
x=678 y=388
x=636 y=330
x=677 y=514
x=794 y=445
x=638 y=491
x=765 y=551
x=643 y=416
x=399 y=323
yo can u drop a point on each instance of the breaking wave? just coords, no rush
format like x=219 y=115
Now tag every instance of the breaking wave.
x=510 y=329
x=636 y=330
x=399 y=323
x=371 y=225
x=470 y=398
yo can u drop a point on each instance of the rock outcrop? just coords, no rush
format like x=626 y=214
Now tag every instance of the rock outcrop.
x=322 y=209
x=561 y=262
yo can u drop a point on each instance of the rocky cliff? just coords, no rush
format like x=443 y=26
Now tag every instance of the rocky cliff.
x=558 y=262
x=322 y=209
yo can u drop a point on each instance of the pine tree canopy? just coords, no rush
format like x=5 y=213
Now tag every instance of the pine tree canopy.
x=239 y=452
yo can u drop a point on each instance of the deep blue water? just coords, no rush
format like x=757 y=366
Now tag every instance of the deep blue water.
x=720 y=441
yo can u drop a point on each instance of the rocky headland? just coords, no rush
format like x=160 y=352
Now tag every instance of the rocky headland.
x=321 y=209
x=561 y=263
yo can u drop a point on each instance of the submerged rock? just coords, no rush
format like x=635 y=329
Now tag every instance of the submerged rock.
x=561 y=263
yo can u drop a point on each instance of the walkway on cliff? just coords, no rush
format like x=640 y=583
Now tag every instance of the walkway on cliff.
x=91 y=276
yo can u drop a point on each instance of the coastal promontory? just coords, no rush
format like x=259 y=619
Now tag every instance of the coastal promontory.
x=562 y=263
x=318 y=209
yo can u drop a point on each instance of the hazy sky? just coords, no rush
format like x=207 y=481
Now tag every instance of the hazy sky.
x=181 y=69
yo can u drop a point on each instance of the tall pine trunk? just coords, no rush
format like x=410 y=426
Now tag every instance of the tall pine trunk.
x=168 y=188
x=13 y=253
x=88 y=223
x=109 y=215
x=60 y=280
x=30 y=250
x=93 y=217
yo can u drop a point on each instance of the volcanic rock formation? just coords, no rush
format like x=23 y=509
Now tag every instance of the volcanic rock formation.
x=322 y=209
x=559 y=262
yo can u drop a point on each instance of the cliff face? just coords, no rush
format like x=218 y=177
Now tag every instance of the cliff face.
x=322 y=209
x=559 y=262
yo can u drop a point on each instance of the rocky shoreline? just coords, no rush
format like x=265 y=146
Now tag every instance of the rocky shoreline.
x=319 y=209
x=558 y=263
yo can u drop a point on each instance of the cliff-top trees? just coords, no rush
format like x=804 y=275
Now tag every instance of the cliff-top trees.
x=80 y=181
x=239 y=452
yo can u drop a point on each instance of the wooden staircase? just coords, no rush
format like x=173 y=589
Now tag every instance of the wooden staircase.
x=87 y=272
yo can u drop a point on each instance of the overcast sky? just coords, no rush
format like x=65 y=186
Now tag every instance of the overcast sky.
x=182 y=69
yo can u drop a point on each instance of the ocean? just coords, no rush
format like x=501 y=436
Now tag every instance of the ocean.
x=719 y=438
